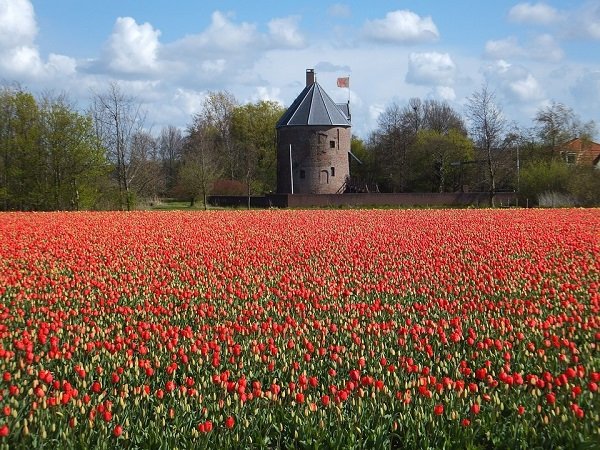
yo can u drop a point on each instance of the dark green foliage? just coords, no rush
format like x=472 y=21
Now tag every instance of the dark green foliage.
x=51 y=159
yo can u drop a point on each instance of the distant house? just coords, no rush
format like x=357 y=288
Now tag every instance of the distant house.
x=581 y=152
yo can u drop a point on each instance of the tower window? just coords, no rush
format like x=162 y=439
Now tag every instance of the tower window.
x=333 y=171
x=331 y=144
x=302 y=174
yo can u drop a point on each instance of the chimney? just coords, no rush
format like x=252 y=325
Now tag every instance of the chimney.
x=310 y=77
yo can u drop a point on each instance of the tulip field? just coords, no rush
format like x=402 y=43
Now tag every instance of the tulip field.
x=398 y=329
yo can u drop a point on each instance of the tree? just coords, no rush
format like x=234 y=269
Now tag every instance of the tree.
x=23 y=161
x=543 y=177
x=440 y=117
x=434 y=160
x=147 y=180
x=7 y=113
x=557 y=124
x=415 y=143
x=170 y=151
x=200 y=166
x=487 y=127
x=117 y=118
x=75 y=159
x=215 y=116
x=253 y=131
x=396 y=131
x=51 y=158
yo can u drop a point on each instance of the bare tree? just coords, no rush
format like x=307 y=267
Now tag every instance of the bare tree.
x=216 y=116
x=440 y=117
x=397 y=129
x=146 y=175
x=557 y=124
x=117 y=118
x=487 y=127
x=170 y=151
x=200 y=166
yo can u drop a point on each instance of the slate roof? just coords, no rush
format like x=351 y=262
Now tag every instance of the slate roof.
x=314 y=107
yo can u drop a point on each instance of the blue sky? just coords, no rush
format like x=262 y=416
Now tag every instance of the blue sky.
x=168 y=55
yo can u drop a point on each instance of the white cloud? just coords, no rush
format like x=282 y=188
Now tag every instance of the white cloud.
x=527 y=89
x=534 y=14
x=339 y=10
x=542 y=48
x=215 y=67
x=18 y=29
x=21 y=60
x=504 y=48
x=224 y=35
x=266 y=93
x=431 y=68
x=17 y=23
x=545 y=48
x=586 y=91
x=401 y=26
x=189 y=101
x=585 y=22
x=132 y=48
x=514 y=82
x=445 y=93
x=19 y=55
x=284 y=32
x=61 y=64
x=326 y=66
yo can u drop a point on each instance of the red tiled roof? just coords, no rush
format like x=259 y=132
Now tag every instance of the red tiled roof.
x=587 y=152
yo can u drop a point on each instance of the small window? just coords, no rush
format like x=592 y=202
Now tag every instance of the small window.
x=333 y=171
x=331 y=144
x=571 y=158
x=302 y=174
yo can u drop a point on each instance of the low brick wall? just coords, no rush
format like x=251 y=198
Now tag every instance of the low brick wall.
x=450 y=199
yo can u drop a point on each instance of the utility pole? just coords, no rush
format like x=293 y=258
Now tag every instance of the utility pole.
x=518 y=168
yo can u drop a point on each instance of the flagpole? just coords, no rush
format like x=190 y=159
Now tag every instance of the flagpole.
x=348 y=90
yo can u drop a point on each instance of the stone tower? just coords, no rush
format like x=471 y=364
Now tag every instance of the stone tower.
x=314 y=136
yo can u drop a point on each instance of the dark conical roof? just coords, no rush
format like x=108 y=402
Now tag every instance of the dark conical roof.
x=314 y=107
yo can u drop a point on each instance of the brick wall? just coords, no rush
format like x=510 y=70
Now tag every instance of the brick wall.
x=452 y=199
x=319 y=159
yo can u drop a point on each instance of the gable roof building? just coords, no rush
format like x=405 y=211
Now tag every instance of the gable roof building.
x=582 y=152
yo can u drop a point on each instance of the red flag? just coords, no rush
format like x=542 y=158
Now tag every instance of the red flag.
x=343 y=82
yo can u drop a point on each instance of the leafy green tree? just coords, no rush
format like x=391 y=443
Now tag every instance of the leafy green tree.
x=584 y=185
x=253 y=131
x=75 y=158
x=436 y=160
x=24 y=158
x=7 y=175
x=544 y=176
